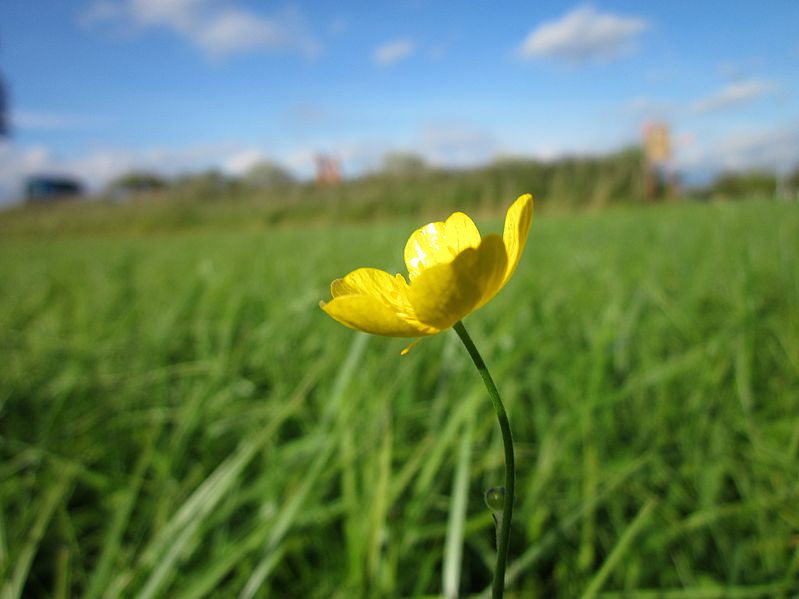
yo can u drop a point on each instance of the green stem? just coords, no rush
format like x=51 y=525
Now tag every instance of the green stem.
x=503 y=538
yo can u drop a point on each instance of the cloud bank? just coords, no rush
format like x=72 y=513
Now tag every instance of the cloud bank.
x=734 y=94
x=393 y=52
x=217 y=28
x=584 y=36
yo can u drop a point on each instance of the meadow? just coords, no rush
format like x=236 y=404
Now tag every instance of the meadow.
x=179 y=419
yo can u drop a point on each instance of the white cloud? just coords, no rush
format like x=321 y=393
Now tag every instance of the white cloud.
x=584 y=35
x=300 y=161
x=16 y=164
x=443 y=144
x=51 y=121
x=242 y=161
x=734 y=94
x=99 y=167
x=308 y=115
x=392 y=52
x=178 y=13
x=456 y=144
x=99 y=11
x=643 y=107
x=216 y=27
x=775 y=149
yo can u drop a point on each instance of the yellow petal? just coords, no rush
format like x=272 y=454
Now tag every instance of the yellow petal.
x=443 y=294
x=517 y=225
x=393 y=290
x=439 y=243
x=370 y=315
x=389 y=291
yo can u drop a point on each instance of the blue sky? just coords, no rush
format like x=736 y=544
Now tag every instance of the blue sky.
x=100 y=87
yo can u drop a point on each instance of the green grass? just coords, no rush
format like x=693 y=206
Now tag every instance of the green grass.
x=179 y=419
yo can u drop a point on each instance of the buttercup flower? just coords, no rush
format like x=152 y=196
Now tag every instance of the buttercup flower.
x=452 y=272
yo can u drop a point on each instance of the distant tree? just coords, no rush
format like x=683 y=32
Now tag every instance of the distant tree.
x=792 y=180
x=596 y=180
x=206 y=185
x=745 y=184
x=268 y=175
x=136 y=182
x=403 y=164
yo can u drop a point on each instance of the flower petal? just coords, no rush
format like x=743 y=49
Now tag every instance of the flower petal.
x=517 y=225
x=370 y=315
x=390 y=292
x=443 y=294
x=439 y=243
x=372 y=281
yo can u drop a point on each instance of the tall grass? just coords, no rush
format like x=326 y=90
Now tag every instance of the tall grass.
x=179 y=419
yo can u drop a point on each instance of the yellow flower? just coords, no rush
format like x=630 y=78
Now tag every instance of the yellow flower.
x=452 y=272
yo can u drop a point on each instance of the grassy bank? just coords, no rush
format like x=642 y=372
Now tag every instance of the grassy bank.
x=179 y=419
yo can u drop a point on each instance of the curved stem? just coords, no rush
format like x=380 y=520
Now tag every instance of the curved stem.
x=503 y=536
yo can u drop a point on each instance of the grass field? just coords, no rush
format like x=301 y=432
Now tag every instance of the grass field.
x=179 y=419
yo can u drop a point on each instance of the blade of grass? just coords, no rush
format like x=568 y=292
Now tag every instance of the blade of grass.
x=453 y=548
x=619 y=550
x=63 y=573
x=285 y=518
x=113 y=542
x=380 y=501
x=15 y=584
x=705 y=592
x=326 y=446
x=529 y=557
x=202 y=586
x=162 y=555
x=3 y=544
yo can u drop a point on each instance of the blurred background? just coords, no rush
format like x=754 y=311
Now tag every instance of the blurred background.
x=180 y=180
x=126 y=96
